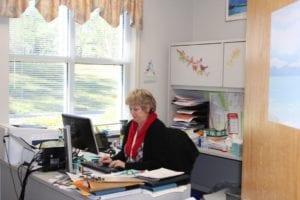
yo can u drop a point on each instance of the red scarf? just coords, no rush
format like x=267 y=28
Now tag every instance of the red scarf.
x=140 y=137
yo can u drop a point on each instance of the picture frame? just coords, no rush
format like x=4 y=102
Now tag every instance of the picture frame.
x=284 y=68
x=236 y=10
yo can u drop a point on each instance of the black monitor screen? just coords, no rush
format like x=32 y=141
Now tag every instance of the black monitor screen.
x=82 y=135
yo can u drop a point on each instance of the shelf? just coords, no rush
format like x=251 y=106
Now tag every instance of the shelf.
x=203 y=88
x=219 y=154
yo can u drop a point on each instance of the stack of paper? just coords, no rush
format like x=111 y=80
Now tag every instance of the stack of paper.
x=218 y=145
x=164 y=177
x=160 y=173
x=191 y=113
x=187 y=101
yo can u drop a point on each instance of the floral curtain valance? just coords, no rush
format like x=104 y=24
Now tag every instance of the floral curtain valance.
x=110 y=10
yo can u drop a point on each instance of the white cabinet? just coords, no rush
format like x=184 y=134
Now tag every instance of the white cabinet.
x=198 y=68
x=234 y=64
x=208 y=64
x=199 y=64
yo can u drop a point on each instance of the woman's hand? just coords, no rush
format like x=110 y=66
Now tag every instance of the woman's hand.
x=105 y=159
x=117 y=164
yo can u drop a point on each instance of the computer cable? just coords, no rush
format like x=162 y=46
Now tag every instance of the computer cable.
x=20 y=173
x=28 y=172
x=24 y=181
x=9 y=165
x=19 y=169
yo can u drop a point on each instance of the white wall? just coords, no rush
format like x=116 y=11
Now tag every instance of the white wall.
x=209 y=22
x=165 y=22
x=3 y=70
x=171 y=21
x=3 y=75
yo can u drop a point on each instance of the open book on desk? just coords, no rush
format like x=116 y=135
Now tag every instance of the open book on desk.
x=163 y=176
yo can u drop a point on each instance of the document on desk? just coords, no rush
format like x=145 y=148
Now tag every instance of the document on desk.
x=160 y=173
x=73 y=177
x=163 y=176
x=113 y=178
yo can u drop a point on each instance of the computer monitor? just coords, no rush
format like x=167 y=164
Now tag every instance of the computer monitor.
x=82 y=134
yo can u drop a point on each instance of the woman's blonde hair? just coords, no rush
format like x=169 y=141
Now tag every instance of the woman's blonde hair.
x=143 y=98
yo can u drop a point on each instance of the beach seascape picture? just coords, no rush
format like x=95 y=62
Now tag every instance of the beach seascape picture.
x=236 y=9
x=284 y=77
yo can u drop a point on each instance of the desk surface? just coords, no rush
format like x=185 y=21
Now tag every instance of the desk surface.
x=39 y=187
x=219 y=195
x=218 y=153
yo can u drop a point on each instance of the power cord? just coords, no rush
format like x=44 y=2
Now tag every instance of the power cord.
x=28 y=172
x=19 y=171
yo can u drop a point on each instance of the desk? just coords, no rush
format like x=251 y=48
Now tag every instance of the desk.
x=38 y=187
x=213 y=168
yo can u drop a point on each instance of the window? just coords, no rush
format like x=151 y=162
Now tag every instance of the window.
x=62 y=66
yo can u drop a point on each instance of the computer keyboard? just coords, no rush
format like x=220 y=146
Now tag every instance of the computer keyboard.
x=99 y=167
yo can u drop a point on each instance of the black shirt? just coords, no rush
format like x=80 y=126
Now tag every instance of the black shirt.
x=154 y=153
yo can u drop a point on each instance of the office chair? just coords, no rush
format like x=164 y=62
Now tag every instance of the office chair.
x=181 y=151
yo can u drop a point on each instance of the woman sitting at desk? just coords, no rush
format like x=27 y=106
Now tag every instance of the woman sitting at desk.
x=144 y=137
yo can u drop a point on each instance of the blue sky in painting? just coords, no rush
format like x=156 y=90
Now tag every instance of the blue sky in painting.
x=284 y=80
x=285 y=41
x=237 y=1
